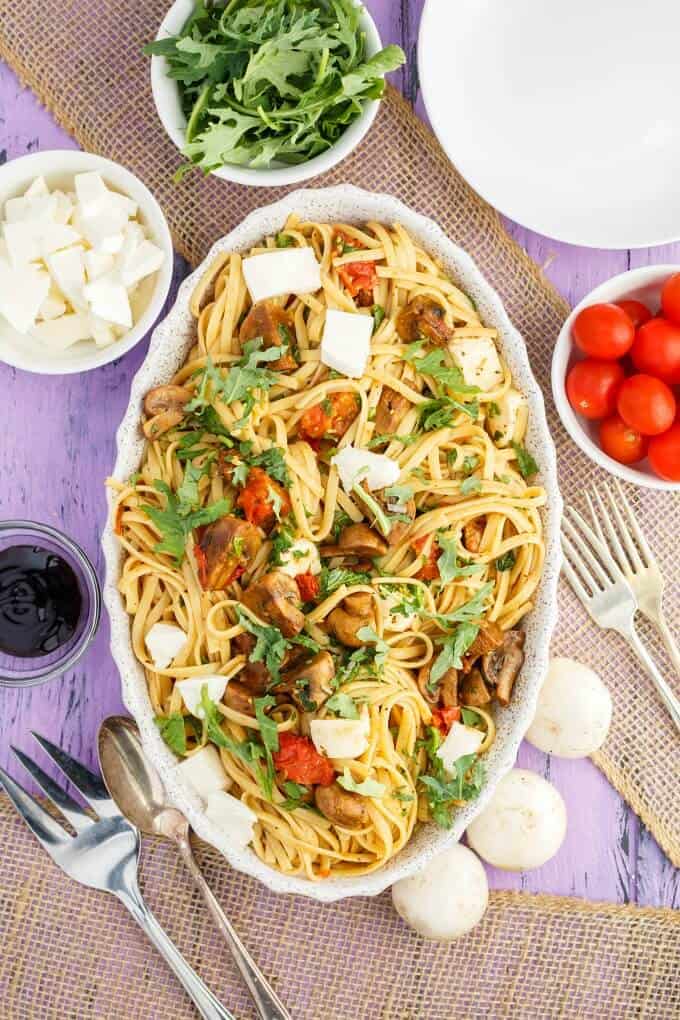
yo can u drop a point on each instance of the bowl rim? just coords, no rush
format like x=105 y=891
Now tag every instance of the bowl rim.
x=631 y=279
x=166 y=99
x=355 y=205
x=59 y=162
x=62 y=540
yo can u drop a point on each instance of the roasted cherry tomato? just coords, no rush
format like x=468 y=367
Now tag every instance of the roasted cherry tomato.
x=670 y=298
x=444 y=718
x=620 y=442
x=592 y=387
x=664 y=453
x=603 y=331
x=299 y=760
x=429 y=570
x=646 y=404
x=332 y=417
x=656 y=350
x=360 y=279
x=636 y=312
x=263 y=500
x=308 y=586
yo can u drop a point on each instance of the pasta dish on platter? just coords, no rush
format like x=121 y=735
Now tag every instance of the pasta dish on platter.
x=330 y=545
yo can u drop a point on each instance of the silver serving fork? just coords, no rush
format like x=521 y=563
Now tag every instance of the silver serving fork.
x=103 y=854
x=606 y=594
x=634 y=558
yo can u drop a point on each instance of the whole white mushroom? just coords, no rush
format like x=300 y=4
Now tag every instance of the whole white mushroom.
x=573 y=713
x=447 y=899
x=522 y=826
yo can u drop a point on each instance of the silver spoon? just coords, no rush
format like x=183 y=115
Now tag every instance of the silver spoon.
x=137 y=789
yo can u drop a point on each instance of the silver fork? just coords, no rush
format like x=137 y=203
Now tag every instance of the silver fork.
x=103 y=854
x=634 y=559
x=606 y=594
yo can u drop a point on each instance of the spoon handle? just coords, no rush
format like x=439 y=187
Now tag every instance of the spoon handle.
x=268 y=1004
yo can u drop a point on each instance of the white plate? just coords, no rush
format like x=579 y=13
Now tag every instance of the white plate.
x=170 y=344
x=563 y=115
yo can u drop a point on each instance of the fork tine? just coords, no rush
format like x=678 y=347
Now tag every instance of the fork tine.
x=578 y=565
x=633 y=555
x=584 y=554
x=90 y=786
x=44 y=827
x=69 y=808
x=633 y=524
x=611 y=541
x=573 y=580
x=605 y=557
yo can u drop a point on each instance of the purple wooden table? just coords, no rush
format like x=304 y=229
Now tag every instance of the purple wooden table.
x=58 y=446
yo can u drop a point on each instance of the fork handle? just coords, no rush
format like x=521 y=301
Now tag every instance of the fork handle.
x=207 y=1005
x=664 y=691
x=659 y=621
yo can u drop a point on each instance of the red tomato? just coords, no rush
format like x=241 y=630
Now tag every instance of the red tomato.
x=332 y=416
x=636 y=312
x=444 y=718
x=603 y=331
x=257 y=497
x=621 y=442
x=299 y=760
x=646 y=404
x=429 y=570
x=664 y=453
x=656 y=350
x=359 y=278
x=308 y=586
x=670 y=298
x=592 y=387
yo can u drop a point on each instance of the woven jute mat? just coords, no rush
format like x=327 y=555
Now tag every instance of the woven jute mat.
x=69 y=953
x=84 y=60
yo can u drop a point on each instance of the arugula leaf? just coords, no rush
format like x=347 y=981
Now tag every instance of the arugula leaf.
x=449 y=567
x=389 y=436
x=284 y=241
x=340 y=521
x=440 y=788
x=471 y=484
x=295 y=795
x=433 y=363
x=282 y=540
x=172 y=731
x=243 y=381
x=270 y=646
x=331 y=580
x=382 y=648
x=527 y=464
x=473 y=609
x=507 y=561
x=453 y=648
x=187 y=493
x=399 y=494
x=367 y=787
x=270 y=739
x=177 y=520
x=343 y=705
x=248 y=751
x=378 y=313
x=440 y=412
x=469 y=717
x=403 y=795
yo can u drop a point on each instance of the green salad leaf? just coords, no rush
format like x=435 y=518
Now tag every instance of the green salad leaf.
x=178 y=519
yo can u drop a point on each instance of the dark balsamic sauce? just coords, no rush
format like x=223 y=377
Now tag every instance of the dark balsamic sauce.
x=40 y=601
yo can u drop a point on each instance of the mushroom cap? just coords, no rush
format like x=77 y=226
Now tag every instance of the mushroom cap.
x=447 y=898
x=573 y=712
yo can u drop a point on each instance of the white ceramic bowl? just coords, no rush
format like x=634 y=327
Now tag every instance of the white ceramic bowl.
x=166 y=96
x=58 y=167
x=170 y=344
x=644 y=285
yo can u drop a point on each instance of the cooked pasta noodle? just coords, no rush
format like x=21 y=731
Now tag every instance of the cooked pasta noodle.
x=451 y=569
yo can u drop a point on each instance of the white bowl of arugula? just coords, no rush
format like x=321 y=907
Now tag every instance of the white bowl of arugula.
x=268 y=92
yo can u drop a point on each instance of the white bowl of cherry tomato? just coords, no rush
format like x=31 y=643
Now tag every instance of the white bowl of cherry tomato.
x=616 y=376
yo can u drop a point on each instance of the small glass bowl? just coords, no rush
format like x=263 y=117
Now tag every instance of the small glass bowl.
x=28 y=672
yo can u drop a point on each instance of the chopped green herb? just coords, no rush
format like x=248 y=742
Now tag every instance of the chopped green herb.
x=403 y=794
x=469 y=464
x=343 y=705
x=378 y=313
x=381 y=647
x=507 y=561
x=172 y=731
x=439 y=413
x=295 y=795
x=441 y=789
x=389 y=437
x=177 y=520
x=284 y=241
x=270 y=646
x=367 y=788
x=469 y=717
x=244 y=380
x=493 y=409
x=471 y=484
x=448 y=564
x=331 y=580
x=527 y=464
x=433 y=363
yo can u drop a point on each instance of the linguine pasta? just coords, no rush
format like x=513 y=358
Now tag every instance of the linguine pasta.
x=409 y=603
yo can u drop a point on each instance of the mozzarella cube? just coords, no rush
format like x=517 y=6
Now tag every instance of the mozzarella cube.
x=509 y=425
x=98 y=264
x=145 y=260
x=63 y=207
x=53 y=306
x=339 y=738
x=346 y=342
x=357 y=465
x=56 y=236
x=37 y=189
x=164 y=641
x=232 y=816
x=204 y=772
x=63 y=332
x=460 y=741
x=92 y=193
x=191 y=690
x=68 y=272
x=22 y=240
x=287 y=271
x=122 y=204
x=479 y=362
x=28 y=210
x=302 y=558
x=109 y=300
x=103 y=332
x=22 y=292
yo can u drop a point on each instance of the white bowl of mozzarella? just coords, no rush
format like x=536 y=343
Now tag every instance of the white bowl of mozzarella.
x=170 y=345
x=86 y=261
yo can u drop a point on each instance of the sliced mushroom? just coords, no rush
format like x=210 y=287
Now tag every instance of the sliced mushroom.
x=310 y=683
x=164 y=408
x=490 y=636
x=238 y=698
x=473 y=690
x=275 y=326
x=358 y=604
x=345 y=626
x=391 y=410
x=423 y=319
x=501 y=665
x=223 y=549
x=445 y=690
x=276 y=599
x=360 y=540
x=473 y=533
x=348 y=810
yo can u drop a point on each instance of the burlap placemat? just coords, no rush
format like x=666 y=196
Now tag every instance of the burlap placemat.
x=69 y=953
x=84 y=61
